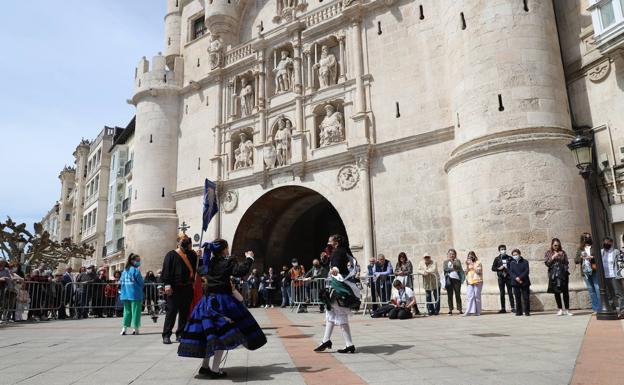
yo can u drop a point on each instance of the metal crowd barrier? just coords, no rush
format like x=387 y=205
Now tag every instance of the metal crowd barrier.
x=20 y=300
x=306 y=291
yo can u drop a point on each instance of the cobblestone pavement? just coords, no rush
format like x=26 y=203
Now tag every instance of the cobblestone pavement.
x=490 y=349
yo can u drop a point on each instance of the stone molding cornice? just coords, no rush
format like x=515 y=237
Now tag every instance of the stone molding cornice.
x=504 y=142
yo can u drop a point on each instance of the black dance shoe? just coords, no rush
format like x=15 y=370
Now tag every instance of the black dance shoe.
x=206 y=372
x=323 y=346
x=348 y=349
x=167 y=340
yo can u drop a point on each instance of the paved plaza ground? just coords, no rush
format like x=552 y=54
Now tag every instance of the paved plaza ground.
x=490 y=349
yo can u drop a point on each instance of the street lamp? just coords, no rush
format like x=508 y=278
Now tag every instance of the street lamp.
x=581 y=147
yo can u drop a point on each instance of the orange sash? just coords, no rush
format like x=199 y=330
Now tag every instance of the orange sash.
x=182 y=255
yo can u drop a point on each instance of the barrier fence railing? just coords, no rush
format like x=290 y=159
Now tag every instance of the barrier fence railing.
x=306 y=292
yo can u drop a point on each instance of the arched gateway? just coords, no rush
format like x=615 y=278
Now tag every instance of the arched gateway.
x=285 y=223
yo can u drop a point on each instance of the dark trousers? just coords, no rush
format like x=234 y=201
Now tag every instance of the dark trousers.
x=522 y=299
x=455 y=288
x=178 y=304
x=269 y=294
x=400 y=313
x=505 y=283
x=433 y=295
x=566 y=296
x=380 y=291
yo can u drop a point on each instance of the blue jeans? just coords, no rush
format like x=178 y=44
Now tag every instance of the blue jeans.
x=286 y=300
x=593 y=287
x=433 y=308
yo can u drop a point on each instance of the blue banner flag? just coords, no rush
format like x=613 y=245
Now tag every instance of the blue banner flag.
x=211 y=205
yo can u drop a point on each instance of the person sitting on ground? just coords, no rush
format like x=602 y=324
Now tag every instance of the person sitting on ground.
x=403 y=300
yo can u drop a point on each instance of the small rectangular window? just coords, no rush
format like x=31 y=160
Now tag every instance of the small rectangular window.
x=199 y=27
x=607 y=15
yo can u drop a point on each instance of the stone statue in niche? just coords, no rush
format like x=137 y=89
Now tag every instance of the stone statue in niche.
x=327 y=68
x=215 y=51
x=332 y=127
x=282 y=141
x=284 y=73
x=243 y=155
x=246 y=96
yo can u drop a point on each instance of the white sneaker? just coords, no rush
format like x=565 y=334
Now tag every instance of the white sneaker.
x=123 y=332
x=272 y=306
x=560 y=312
x=568 y=312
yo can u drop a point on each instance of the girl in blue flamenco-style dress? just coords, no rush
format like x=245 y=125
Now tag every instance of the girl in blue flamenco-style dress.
x=220 y=322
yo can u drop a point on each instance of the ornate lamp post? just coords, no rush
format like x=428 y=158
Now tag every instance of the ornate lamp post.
x=581 y=147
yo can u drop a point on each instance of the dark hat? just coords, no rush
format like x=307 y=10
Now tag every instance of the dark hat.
x=294 y=260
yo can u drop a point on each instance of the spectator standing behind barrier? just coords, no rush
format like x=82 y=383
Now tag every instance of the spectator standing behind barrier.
x=403 y=300
x=313 y=281
x=474 y=280
x=253 y=283
x=83 y=291
x=68 y=299
x=454 y=277
x=501 y=267
x=22 y=300
x=270 y=285
x=428 y=268
x=371 y=268
x=56 y=296
x=132 y=294
x=383 y=278
x=558 y=275
x=297 y=272
x=519 y=273
x=612 y=260
x=587 y=269
x=6 y=287
x=99 y=284
x=37 y=290
x=285 y=286
x=150 y=294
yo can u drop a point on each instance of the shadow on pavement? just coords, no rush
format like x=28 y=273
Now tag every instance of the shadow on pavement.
x=262 y=373
x=386 y=349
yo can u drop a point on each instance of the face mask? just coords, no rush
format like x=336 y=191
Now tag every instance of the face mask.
x=137 y=263
x=607 y=246
x=295 y=264
x=515 y=257
x=316 y=265
x=503 y=252
x=588 y=242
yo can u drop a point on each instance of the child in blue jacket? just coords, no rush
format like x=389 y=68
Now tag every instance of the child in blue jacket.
x=131 y=294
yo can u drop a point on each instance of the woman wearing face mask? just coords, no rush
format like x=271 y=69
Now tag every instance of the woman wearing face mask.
x=613 y=263
x=454 y=277
x=132 y=294
x=474 y=281
x=520 y=282
x=558 y=275
x=587 y=269
x=220 y=322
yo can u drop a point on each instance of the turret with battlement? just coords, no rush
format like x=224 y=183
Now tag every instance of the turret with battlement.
x=160 y=75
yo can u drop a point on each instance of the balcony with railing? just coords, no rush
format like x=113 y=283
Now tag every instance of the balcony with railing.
x=608 y=22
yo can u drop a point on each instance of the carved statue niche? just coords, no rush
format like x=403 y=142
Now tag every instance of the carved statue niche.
x=281 y=139
x=331 y=124
x=284 y=70
x=246 y=99
x=243 y=150
x=286 y=9
x=215 y=51
x=326 y=67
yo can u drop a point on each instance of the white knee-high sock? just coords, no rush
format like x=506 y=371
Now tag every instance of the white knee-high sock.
x=216 y=361
x=329 y=328
x=346 y=333
x=206 y=363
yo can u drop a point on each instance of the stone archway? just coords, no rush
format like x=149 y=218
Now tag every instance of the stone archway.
x=285 y=223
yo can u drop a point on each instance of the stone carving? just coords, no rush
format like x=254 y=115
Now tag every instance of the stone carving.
x=270 y=156
x=284 y=73
x=346 y=3
x=243 y=155
x=600 y=71
x=246 y=96
x=230 y=201
x=215 y=51
x=282 y=141
x=348 y=177
x=286 y=10
x=332 y=127
x=327 y=68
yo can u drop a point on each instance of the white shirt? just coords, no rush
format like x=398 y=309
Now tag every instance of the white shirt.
x=607 y=262
x=404 y=295
x=453 y=274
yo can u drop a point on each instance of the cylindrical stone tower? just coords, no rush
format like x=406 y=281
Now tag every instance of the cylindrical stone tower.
x=173 y=31
x=511 y=178
x=152 y=222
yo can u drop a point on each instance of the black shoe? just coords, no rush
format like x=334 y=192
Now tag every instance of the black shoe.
x=323 y=346
x=348 y=349
x=513 y=310
x=166 y=340
x=206 y=372
x=154 y=319
x=518 y=314
x=451 y=312
x=527 y=314
x=502 y=311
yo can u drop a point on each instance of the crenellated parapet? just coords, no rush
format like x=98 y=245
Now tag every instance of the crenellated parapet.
x=158 y=76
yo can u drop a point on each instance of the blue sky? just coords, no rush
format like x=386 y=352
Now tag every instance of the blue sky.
x=67 y=69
